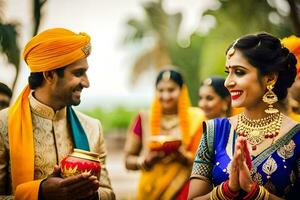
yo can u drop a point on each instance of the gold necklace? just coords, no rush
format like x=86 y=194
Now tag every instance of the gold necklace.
x=257 y=130
x=169 y=122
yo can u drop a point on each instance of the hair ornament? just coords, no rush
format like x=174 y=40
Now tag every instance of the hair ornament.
x=166 y=75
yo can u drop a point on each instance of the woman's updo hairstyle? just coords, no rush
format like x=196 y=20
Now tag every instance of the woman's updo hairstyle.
x=266 y=53
x=170 y=74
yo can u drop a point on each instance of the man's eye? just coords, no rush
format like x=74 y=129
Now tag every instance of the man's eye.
x=78 y=73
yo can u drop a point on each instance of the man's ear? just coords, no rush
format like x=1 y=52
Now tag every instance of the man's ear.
x=49 y=76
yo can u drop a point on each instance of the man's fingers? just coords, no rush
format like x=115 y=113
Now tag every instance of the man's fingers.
x=56 y=171
x=88 y=189
x=84 y=177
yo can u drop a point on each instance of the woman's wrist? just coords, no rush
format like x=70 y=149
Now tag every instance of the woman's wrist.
x=231 y=188
x=256 y=192
x=229 y=192
x=141 y=164
x=250 y=186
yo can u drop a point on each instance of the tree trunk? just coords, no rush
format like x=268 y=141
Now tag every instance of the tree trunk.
x=294 y=15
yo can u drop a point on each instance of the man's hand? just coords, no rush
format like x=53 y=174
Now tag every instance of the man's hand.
x=76 y=187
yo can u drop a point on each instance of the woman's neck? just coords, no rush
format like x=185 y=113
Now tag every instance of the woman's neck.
x=256 y=112
x=173 y=111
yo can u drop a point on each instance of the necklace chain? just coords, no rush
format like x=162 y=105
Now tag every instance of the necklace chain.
x=256 y=131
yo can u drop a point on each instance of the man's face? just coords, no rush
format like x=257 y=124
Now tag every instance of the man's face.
x=67 y=89
x=4 y=101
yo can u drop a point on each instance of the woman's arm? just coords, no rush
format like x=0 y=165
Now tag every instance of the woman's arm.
x=199 y=189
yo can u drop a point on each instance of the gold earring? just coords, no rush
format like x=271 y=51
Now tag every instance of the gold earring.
x=270 y=98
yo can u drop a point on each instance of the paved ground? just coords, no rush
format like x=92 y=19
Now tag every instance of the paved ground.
x=124 y=182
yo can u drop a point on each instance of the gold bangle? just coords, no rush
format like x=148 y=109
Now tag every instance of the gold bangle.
x=213 y=194
x=267 y=194
x=220 y=192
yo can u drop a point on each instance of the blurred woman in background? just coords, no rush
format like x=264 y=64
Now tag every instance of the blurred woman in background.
x=293 y=108
x=165 y=174
x=214 y=98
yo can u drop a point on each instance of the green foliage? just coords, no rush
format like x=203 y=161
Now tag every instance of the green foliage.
x=118 y=118
x=188 y=60
x=164 y=29
x=233 y=19
x=205 y=56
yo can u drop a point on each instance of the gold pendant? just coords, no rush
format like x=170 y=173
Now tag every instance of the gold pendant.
x=255 y=137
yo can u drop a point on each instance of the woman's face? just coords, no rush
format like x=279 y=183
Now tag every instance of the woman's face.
x=211 y=103
x=295 y=89
x=168 y=92
x=246 y=87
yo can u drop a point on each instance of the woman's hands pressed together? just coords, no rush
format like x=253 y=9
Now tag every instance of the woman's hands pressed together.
x=240 y=177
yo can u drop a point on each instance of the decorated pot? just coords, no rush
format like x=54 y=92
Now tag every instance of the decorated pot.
x=164 y=143
x=80 y=161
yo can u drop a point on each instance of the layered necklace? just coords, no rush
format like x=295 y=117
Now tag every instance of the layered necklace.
x=256 y=131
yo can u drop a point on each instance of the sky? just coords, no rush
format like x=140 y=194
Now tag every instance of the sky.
x=110 y=61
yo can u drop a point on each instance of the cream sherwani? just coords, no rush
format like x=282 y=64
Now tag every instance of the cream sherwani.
x=52 y=142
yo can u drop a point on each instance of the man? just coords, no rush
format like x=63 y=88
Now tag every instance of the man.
x=41 y=128
x=5 y=96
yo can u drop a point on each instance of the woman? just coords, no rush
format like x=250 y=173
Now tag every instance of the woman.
x=253 y=155
x=214 y=98
x=293 y=44
x=165 y=175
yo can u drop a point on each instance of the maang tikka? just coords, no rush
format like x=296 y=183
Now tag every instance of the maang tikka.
x=270 y=98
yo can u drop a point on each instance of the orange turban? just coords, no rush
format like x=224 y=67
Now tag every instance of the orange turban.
x=293 y=44
x=55 y=48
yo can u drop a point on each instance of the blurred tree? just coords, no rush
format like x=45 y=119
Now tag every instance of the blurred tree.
x=294 y=15
x=161 y=30
x=9 y=42
x=235 y=18
x=205 y=54
x=37 y=14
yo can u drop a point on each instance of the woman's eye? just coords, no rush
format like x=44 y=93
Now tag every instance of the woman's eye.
x=239 y=72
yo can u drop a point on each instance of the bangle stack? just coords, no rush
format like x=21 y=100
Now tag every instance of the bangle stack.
x=262 y=194
x=257 y=193
x=253 y=192
x=222 y=192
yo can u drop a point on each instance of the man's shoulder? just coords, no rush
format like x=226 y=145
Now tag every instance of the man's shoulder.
x=4 y=115
x=3 y=122
x=88 y=119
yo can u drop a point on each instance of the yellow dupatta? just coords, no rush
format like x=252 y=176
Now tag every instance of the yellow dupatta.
x=21 y=139
x=165 y=179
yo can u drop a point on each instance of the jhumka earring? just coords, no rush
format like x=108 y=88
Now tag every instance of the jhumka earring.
x=270 y=98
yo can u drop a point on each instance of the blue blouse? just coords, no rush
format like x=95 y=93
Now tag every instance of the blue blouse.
x=277 y=168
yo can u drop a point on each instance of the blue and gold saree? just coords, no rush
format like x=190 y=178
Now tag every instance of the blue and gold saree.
x=277 y=168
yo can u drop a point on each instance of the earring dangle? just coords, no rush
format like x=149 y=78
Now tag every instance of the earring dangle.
x=270 y=98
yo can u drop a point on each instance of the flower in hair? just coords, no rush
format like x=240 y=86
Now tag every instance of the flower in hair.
x=293 y=44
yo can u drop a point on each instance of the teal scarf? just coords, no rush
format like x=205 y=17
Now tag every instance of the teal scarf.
x=78 y=134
